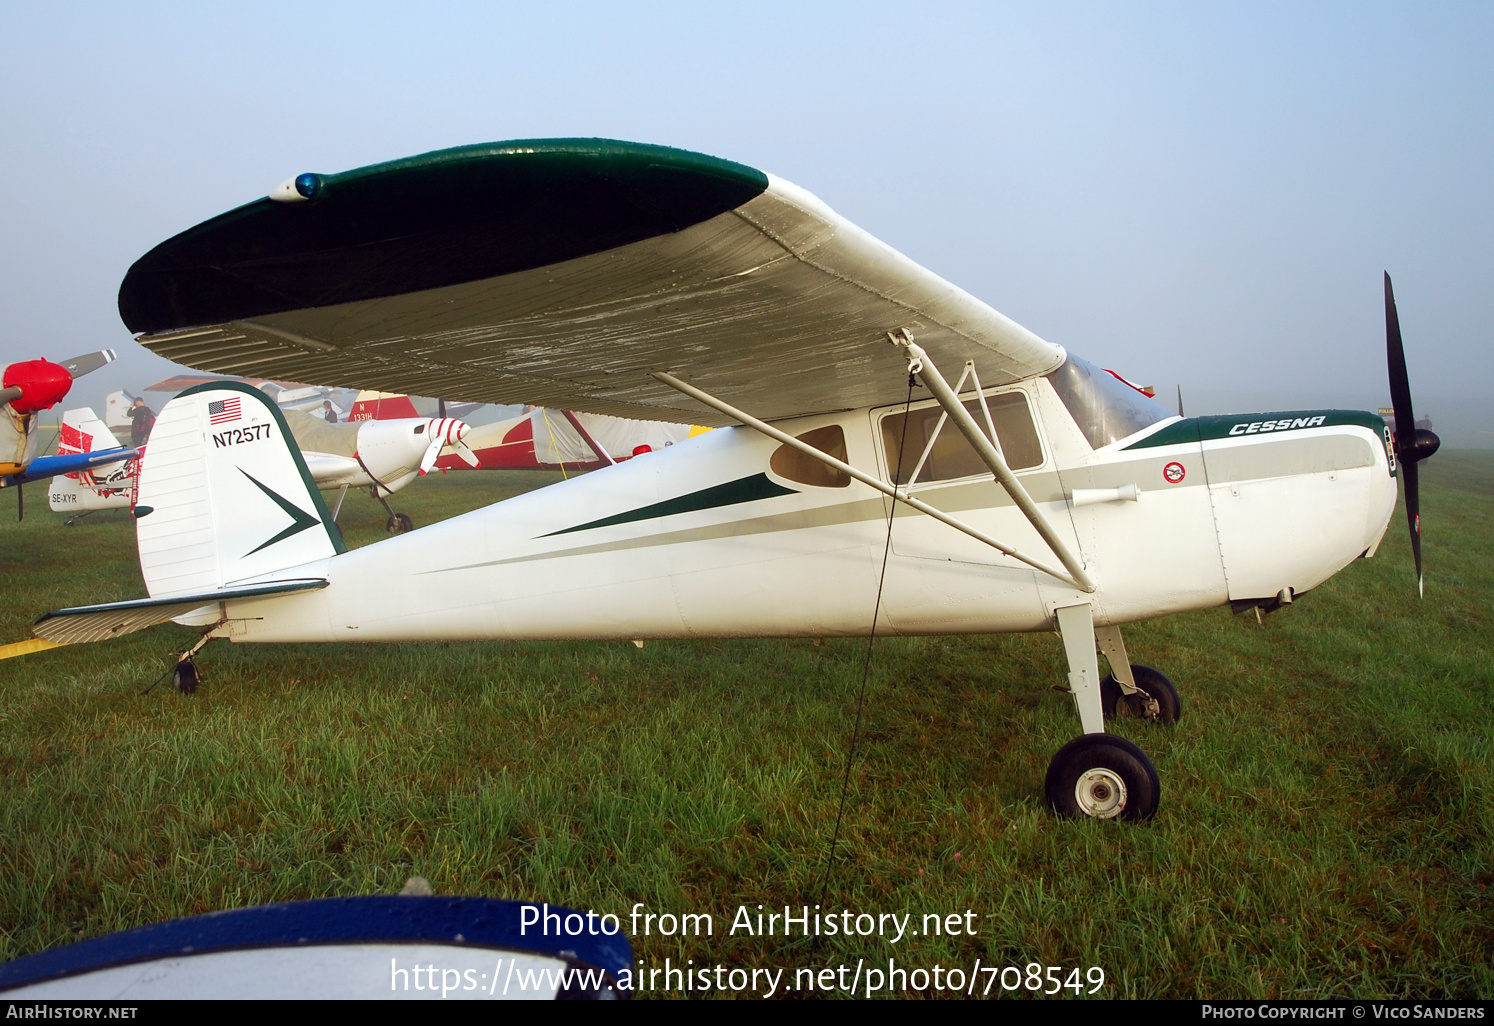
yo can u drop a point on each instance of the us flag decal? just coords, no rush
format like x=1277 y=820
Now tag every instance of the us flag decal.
x=223 y=411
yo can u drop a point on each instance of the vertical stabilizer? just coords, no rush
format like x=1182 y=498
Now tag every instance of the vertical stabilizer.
x=225 y=495
x=82 y=431
x=87 y=491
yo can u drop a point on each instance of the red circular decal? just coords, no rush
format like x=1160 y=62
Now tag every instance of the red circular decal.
x=1174 y=473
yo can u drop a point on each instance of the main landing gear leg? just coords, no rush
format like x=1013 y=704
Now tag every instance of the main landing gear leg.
x=1097 y=775
x=1076 y=624
x=1133 y=691
x=398 y=523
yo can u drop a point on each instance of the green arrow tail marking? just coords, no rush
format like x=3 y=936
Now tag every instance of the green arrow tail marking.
x=302 y=520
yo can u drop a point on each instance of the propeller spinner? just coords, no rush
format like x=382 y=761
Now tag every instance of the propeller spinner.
x=1412 y=444
x=446 y=431
x=36 y=385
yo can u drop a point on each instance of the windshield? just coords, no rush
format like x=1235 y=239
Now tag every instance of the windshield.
x=1104 y=407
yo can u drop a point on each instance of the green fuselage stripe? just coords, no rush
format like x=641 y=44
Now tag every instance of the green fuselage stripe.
x=1207 y=429
x=746 y=489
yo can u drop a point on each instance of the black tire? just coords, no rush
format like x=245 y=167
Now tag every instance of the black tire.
x=1134 y=707
x=184 y=677
x=400 y=523
x=1102 y=776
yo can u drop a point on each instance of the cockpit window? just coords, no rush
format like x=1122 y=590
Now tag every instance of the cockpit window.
x=1105 y=408
x=952 y=456
x=790 y=463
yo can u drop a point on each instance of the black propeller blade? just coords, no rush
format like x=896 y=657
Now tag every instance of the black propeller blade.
x=1412 y=444
x=88 y=362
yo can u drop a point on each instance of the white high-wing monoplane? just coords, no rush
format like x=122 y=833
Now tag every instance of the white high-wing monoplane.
x=1016 y=488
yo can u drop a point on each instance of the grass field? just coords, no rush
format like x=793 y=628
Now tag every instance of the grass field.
x=1327 y=821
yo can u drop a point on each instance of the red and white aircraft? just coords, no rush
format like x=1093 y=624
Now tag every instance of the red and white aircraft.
x=536 y=439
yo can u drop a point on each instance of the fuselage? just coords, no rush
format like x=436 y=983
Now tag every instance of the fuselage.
x=728 y=535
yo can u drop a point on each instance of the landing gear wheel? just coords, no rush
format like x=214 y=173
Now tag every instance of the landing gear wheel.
x=399 y=523
x=184 y=677
x=1102 y=776
x=1160 y=704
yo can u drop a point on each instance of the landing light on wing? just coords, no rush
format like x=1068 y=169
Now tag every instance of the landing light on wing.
x=298 y=189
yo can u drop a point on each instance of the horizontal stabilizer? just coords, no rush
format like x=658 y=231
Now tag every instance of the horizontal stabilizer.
x=110 y=620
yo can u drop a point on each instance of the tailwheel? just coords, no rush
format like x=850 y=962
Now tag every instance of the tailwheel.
x=1102 y=776
x=1158 y=702
x=184 y=677
x=399 y=523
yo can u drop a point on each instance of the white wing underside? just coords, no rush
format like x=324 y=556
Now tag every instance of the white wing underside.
x=779 y=306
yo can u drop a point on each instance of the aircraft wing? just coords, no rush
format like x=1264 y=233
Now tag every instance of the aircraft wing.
x=68 y=463
x=560 y=272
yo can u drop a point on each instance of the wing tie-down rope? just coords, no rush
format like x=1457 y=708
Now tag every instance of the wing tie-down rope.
x=989 y=452
x=871 y=640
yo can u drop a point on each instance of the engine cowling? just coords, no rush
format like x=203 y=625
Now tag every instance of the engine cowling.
x=394 y=452
x=42 y=384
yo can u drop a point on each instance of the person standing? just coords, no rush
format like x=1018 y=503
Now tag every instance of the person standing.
x=141 y=421
x=329 y=412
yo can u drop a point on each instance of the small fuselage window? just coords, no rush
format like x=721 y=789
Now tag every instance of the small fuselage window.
x=952 y=455
x=792 y=465
x=1105 y=408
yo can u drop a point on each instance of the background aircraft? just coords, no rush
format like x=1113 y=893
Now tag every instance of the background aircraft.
x=533 y=438
x=26 y=389
x=91 y=489
x=1035 y=492
x=381 y=456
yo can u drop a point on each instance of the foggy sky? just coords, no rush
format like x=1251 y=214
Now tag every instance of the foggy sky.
x=1194 y=193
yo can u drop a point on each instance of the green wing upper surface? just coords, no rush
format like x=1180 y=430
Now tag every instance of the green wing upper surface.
x=560 y=272
x=442 y=218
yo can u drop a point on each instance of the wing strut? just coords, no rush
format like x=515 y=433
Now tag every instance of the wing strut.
x=920 y=364
x=1079 y=581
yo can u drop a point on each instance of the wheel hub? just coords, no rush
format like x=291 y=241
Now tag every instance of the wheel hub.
x=1100 y=792
x=1142 y=706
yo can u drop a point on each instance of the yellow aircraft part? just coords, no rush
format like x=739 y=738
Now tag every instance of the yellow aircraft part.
x=8 y=469
x=21 y=648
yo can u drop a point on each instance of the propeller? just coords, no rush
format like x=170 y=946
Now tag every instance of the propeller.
x=35 y=385
x=1412 y=444
x=88 y=362
x=445 y=431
